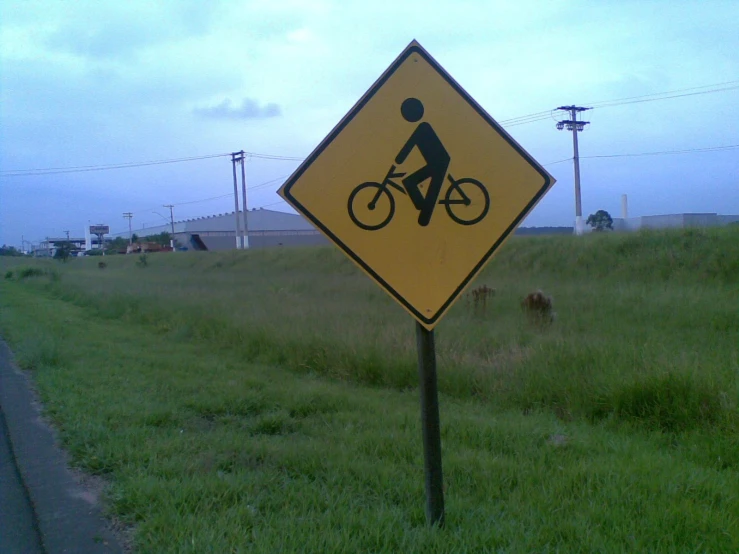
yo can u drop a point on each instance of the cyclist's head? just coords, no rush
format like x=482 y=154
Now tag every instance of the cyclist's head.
x=412 y=109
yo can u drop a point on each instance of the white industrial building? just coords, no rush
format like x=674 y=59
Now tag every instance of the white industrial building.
x=673 y=221
x=266 y=228
x=668 y=221
x=48 y=247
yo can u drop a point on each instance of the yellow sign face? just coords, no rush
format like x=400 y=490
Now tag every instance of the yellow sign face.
x=418 y=185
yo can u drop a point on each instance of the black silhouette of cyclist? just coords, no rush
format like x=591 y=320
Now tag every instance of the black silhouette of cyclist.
x=437 y=161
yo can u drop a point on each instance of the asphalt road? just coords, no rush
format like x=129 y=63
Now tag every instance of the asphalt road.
x=42 y=507
x=18 y=533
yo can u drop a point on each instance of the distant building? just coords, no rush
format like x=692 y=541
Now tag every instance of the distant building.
x=48 y=247
x=266 y=228
x=628 y=224
x=530 y=231
x=673 y=221
x=270 y=228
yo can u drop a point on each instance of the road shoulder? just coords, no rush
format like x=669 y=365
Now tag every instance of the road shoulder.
x=68 y=516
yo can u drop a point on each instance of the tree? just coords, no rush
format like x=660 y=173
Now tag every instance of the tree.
x=162 y=239
x=134 y=238
x=116 y=245
x=9 y=251
x=63 y=251
x=600 y=221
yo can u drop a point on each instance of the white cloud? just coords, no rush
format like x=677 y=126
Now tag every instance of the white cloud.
x=249 y=109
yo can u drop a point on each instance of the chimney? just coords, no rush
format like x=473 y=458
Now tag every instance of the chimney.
x=624 y=208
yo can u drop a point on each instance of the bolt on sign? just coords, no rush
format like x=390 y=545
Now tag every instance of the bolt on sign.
x=418 y=185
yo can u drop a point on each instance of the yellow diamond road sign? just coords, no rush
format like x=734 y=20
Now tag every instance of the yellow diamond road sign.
x=418 y=185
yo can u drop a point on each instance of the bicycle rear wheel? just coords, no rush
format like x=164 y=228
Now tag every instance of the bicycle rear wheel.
x=467 y=201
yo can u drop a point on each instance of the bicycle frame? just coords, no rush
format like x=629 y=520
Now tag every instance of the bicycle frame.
x=465 y=199
x=388 y=180
x=391 y=174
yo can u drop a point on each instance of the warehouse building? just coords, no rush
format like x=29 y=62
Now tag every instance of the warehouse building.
x=673 y=221
x=266 y=228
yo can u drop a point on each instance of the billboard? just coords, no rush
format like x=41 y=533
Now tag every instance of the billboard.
x=99 y=229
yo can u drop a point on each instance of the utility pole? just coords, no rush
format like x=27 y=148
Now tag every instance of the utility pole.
x=245 y=241
x=235 y=159
x=171 y=219
x=575 y=126
x=129 y=215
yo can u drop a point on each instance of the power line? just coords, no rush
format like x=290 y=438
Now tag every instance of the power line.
x=524 y=121
x=273 y=204
x=82 y=169
x=202 y=200
x=512 y=122
x=520 y=120
x=658 y=153
x=270 y=157
x=126 y=165
x=267 y=183
x=646 y=97
x=255 y=187
x=665 y=152
x=691 y=91
x=666 y=97
x=534 y=116
x=684 y=151
x=559 y=161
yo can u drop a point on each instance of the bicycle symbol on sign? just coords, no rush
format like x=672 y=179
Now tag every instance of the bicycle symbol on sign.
x=372 y=204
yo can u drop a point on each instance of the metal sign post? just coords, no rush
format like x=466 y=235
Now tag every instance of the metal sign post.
x=431 y=425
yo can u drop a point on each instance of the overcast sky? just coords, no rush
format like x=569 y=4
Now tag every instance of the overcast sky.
x=88 y=83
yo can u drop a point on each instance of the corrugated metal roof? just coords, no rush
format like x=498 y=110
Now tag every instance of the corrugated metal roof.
x=257 y=220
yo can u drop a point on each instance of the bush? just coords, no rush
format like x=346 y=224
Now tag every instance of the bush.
x=27 y=272
x=8 y=274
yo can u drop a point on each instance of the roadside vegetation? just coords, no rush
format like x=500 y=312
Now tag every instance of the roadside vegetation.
x=266 y=401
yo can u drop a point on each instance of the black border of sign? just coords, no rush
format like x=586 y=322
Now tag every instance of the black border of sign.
x=415 y=48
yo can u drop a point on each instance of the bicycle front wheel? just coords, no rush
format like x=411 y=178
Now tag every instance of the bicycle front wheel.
x=467 y=201
x=371 y=206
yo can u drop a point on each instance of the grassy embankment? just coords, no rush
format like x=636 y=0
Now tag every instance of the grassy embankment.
x=266 y=401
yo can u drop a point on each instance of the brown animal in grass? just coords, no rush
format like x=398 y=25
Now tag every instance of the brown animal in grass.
x=538 y=306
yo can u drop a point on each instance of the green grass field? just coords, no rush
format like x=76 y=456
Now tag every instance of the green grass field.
x=267 y=401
